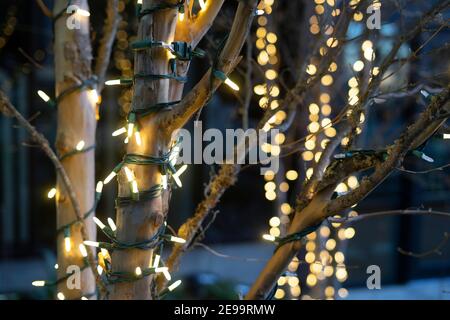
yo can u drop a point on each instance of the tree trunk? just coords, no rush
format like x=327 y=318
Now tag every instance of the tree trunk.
x=76 y=122
x=139 y=221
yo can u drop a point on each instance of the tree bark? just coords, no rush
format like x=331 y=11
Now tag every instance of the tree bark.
x=76 y=122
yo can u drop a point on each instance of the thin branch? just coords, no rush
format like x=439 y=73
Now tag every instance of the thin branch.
x=45 y=10
x=435 y=250
x=106 y=42
x=9 y=110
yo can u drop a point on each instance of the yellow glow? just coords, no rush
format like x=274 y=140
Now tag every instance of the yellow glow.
x=134 y=187
x=177 y=239
x=349 y=233
x=83 y=250
x=285 y=208
x=291 y=175
x=358 y=66
x=181 y=16
x=274 y=231
x=274 y=222
x=51 y=194
x=271 y=74
x=311 y=69
x=284 y=187
x=67 y=244
x=130 y=129
x=311 y=280
x=231 y=84
x=80 y=145
x=279 y=294
x=327 y=80
x=202 y=4
x=137 y=136
x=138 y=271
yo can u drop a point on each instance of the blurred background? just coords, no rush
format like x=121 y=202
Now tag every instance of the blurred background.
x=232 y=253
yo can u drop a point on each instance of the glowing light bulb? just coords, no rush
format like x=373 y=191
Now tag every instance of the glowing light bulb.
x=446 y=136
x=177 y=239
x=202 y=4
x=83 y=250
x=156 y=262
x=181 y=16
x=56 y=266
x=139 y=1
x=99 y=223
x=52 y=193
x=60 y=296
x=83 y=13
x=43 y=96
x=91 y=243
x=109 y=177
x=174 y=285
x=99 y=270
x=165 y=272
x=38 y=283
x=259 y=12
x=164 y=181
x=99 y=187
x=130 y=129
x=134 y=187
x=231 y=84
x=137 y=136
x=84 y=298
x=129 y=174
x=67 y=244
x=118 y=132
x=114 y=82
x=138 y=271
x=93 y=96
x=80 y=145
x=176 y=175
x=268 y=237
x=112 y=225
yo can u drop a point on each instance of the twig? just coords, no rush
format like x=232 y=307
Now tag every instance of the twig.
x=43 y=143
x=106 y=42
x=435 y=250
x=45 y=10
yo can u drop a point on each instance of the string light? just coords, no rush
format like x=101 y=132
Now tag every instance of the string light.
x=112 y=225
x=119 y=132
x=109 y=177
x=60 y=296
x=99 y=187
x=83 y=12
x=165 y=272
x=268 y=237
x=138 y=271
x=38 y=283
x=67 y=244
x=174 y=285
x=177 y=239
x=99 y=270
x=91 y=243
x=446 y=136
x=137 y=136
x=80 y=145
x=130 y=129
x=202 y=4
x=43 y=96
x=99 y=223
x=156 y=262
x=51 y=194
x=176 y=175
x=83 y=250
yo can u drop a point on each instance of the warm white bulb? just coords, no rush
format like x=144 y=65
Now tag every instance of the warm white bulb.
x=134 y=187
x=268 y=237
x=43 y=96
x=174 y=285
x=80 y=145
x=177 y=239
x=181 y=16
x=118 y=132
x=38 y=283
x=67 y=244
x=99 y=270
x=84 y=298
x=109 y=177
x=83 y=13
x=137 y=136
x=165 y=272
x=176 y=175
x=156 y=262
x=231 y=84
x=99 y=187
x=446 y=136
x=202 y=4
x=83 y=250
x=60 y=296
x=99 y=223
x=114 y=82
x=112 y=225
x=51 y=194
x=130 y=129
x=138 y=271
x=56 y=266
x=129 y=174
x=91 y=243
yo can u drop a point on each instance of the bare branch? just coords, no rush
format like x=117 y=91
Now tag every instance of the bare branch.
x=107 y=40
x=9 y=110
